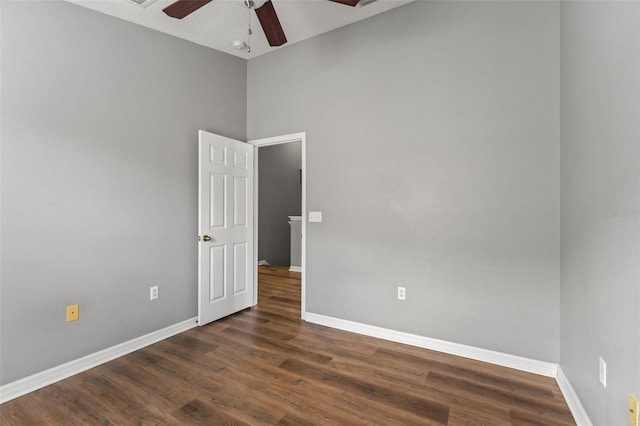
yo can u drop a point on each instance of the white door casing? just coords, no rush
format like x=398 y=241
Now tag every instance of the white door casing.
x=225 y=214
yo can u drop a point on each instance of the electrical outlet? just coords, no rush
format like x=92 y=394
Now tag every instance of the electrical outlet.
x=402 y=293
x=73 y=313
x=603 y=372
x=153 y=292
x=633 y=410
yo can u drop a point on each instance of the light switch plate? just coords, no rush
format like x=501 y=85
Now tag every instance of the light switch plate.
x=315 y=216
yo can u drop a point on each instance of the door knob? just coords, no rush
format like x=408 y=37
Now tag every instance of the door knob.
x=206 y=238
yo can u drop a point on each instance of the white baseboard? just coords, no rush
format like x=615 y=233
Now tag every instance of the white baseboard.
x=577 y=410
x=506 y=360
x=295 y=268
x=44 y=378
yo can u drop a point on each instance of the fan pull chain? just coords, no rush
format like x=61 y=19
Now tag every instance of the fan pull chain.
x=249 y=32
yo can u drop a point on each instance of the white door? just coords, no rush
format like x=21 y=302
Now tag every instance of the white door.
x=225 y=267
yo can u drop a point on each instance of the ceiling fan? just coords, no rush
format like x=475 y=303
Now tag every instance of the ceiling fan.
x=264 y=10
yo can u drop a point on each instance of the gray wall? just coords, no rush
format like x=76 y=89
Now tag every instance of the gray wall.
x=433 y=152
x=99 y=177
x=600 y=254
x=280 y=195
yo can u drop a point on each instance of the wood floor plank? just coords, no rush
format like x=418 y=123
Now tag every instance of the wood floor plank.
x=462 y=369
x=523 y=418
x=265 y=366
x=114 y=403
x=231 y=398
x=290 y=392
x=56 y=404
x=262 y=342
x=200 y=412
x=142 y=382
x=479 y=416
x=378 y=393
x=332 y=404
x=545 y=410
x=472 y=410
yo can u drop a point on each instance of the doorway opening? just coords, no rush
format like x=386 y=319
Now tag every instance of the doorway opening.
x=275 y=214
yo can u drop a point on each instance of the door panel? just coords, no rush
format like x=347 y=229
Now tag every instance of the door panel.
x=240 y=201
x=239 y=268
x=226 y=276
x=217 y=198
x=217 y=272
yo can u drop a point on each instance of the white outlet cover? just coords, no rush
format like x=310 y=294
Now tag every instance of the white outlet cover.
x=153 y=292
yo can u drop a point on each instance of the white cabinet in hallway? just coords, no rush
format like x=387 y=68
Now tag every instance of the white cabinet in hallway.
x=295 y=223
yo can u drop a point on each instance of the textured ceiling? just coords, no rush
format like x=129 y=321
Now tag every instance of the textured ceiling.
x=220 y=22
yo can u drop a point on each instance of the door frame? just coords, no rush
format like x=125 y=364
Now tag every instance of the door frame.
x=277 y=140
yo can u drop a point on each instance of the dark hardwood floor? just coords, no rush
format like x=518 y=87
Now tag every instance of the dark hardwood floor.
x=266 y=366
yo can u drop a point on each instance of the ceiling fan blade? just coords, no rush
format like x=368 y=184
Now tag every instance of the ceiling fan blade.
x=182 y=8
x=351 y=3
x=271 y=24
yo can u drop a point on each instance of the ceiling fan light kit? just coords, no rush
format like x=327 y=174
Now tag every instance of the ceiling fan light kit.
x=239 y=45
x=142 y=3
x=254 y=4
x=265 y=12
